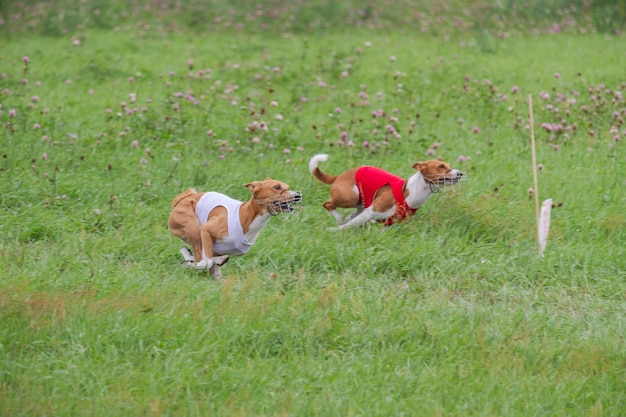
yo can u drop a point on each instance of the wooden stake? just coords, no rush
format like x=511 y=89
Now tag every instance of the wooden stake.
x=534 y=157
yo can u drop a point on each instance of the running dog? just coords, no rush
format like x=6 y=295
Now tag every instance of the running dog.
x=217 y=226
x=379 y=195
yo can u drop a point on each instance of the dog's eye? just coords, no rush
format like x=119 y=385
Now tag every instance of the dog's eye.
x=441 y=166
x=277 y=187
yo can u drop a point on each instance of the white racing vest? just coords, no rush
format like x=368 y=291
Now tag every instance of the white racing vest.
x=235 y=243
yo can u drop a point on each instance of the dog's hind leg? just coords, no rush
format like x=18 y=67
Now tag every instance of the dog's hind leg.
x=356 y=212
x=366 y=216
x=187 y=255
x=341 y=219
x=338 y=216
x=358 y=219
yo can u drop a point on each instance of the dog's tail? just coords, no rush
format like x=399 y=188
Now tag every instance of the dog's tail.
x=182 y=196
x=319 y=175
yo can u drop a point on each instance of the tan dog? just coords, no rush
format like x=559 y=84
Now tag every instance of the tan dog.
x=379 y=195
x=217 y=226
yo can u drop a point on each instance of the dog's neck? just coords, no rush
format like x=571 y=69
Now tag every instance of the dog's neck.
x=253 y=218
x=417 y=190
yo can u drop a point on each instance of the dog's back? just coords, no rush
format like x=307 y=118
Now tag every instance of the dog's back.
x=180 y=197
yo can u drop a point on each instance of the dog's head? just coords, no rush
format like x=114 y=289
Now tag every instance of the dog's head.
x=439 y=173
x=275 y=196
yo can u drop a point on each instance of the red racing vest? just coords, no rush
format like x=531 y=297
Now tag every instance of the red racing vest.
x=370 y=179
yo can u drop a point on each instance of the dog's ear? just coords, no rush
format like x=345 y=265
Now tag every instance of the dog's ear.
x=419 y=166
x=253 y=186
x=267 y=179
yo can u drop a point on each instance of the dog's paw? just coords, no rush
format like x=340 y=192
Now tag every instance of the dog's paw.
x=203 y=265
x=187 y=264
x=221 y=260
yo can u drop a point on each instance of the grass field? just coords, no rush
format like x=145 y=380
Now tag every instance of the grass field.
x=450 y=314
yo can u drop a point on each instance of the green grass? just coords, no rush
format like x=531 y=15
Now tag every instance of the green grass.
x=452 y=313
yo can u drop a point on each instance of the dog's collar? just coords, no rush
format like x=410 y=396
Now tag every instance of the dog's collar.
x=434 y=188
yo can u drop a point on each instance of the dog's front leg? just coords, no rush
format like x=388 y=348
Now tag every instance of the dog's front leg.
x=204 y=256
x=208 y=260
x=217 y=262
x=216 y=272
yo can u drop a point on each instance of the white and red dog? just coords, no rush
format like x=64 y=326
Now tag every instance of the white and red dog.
x=217 y=226
x=378 y=195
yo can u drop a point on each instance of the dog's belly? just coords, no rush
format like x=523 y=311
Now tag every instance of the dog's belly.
x=231 y=246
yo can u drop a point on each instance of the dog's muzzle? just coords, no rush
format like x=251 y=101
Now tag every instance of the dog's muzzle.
x=447 y=181
x=282 y=204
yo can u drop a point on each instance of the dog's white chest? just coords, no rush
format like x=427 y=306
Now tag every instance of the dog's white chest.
x=419 y=191
x=255 y=227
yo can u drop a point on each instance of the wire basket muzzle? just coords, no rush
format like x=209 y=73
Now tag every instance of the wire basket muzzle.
x=447 y=182
x=282 y=204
